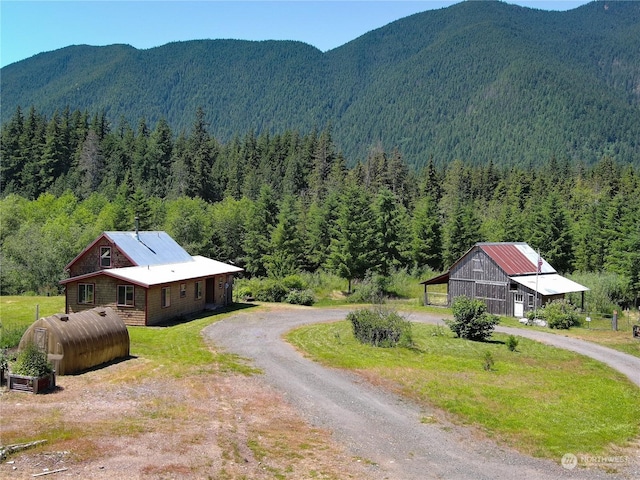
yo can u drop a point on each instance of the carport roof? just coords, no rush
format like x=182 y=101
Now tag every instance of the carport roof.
x=549 y=284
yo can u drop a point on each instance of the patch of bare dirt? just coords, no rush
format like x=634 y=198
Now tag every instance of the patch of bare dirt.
x=198 y=426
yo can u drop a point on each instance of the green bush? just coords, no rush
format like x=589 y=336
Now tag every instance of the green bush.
x=31 y=362
x=471 y=320
x=512 y=343
x=559 y=314
x=270 y=290
x=294 y=282
x=291 y=289
x=300 y=297
x=380 y=328
x=487 y=361
x=370 y=290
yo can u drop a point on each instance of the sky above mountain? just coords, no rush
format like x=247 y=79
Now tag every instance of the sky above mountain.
x=31 y=27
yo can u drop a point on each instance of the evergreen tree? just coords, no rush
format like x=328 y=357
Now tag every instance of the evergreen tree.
x=391 y=232
x=286 y=246
x=550 y=233
x=323 y=158
x=460 y=232
x=261 y=219
x=91 y=164
x=426 y=239
x=160 y=152
x=11 y=153
x=352 y=250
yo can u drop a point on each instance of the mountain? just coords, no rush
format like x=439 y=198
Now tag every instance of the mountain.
x=477 y=81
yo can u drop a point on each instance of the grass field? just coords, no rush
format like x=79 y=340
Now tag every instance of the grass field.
x=179 y=346
x=621 y=340
x=541 y=400
x=17 y=313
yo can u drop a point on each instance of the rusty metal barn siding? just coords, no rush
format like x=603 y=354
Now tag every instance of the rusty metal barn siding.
x=79 y=341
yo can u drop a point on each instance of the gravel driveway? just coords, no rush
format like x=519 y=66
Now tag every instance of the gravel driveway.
x=382 y=429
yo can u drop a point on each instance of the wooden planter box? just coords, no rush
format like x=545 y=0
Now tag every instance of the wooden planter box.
x=32 y=384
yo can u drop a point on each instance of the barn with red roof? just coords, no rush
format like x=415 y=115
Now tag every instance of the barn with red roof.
x=511 y=278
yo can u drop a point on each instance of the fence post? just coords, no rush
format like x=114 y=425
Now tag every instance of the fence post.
x=614 y=321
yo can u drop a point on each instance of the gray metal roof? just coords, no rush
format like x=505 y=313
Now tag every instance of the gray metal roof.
x=149 y=248
x=549 y=284
x=148 y=276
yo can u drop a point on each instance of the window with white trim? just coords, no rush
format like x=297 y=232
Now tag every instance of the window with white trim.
x=85 y=293
x=166 y=297
x=125 y=295
x=105 y=257
x=199 y=290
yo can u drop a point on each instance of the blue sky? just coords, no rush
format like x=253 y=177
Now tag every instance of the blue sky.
x=31 y=27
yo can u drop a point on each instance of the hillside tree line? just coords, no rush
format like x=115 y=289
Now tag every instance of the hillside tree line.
x=285 y=203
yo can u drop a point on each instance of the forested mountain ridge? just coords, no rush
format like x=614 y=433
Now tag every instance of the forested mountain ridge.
x=477 y=81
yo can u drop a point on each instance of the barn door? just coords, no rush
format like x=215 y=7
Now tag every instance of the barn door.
x=40 y=338
x=518 y=305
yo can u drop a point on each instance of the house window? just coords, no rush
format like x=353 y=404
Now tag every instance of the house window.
x=477 y=265
x=531 y=304
x=183 y=290
x=519 y=297
x=166 y=297
x=199 y=290
x=105 y=257
x=125 y=295
x=85 y=293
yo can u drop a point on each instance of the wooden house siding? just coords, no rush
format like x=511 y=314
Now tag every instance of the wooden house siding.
x=105 y=294
x=179 y=306
x=89 y=261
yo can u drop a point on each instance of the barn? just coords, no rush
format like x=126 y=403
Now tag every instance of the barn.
x=511 y=278
x=147 y=278
x=79 y=341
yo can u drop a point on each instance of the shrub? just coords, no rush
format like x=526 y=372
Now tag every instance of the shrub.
x=300 y=297
x=560 y=314
x=471 y=320
x=31 y=362
x=488 y=361
x=512 y=343
x=270 y=290
x=381 y=328
x=294 y=282
x=370 y=290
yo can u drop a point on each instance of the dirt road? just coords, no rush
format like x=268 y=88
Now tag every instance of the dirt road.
x=383 y=429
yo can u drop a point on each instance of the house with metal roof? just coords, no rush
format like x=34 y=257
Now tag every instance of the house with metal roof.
x=511 y=278
x=146 y=277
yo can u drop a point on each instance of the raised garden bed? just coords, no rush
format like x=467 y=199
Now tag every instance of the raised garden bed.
x=24 y=383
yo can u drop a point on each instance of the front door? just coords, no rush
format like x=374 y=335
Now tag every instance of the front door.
x=209 y=294
x=518 y=305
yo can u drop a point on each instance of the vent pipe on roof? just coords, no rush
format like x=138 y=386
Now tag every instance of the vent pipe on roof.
x=137 y=225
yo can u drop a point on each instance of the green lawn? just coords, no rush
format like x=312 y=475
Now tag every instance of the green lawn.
x=17 y=313
x=622 y=340
x=541 y=400
x=179 y=347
